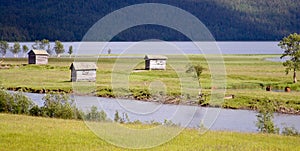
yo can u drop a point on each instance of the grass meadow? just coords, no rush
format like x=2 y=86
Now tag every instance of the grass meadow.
x=18 y=132
x=246 y=78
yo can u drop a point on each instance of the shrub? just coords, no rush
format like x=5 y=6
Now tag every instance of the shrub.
x=35 y=111
x=22 y=104
x=265 y=117
x=59 y=105
x=136 y=122
x=105 y=92
x=142 y=94
x=117 y=117
x=16 y=103
x=123 y=119
x=5 y=101
x=170 y=123
x=94 y=115
x=78 y=114
x=290 y=131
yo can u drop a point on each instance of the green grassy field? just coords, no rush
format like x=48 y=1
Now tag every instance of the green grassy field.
x=19 y=132
x=246 y=78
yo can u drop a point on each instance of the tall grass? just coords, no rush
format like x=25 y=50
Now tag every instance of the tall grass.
x=36 y=133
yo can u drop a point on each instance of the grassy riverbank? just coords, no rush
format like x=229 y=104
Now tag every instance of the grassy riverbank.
x=247 y=78
x=19 y=132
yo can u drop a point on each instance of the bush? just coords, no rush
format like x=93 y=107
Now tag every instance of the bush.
x=117 y=117
x=35 y=111
x=170 y=123
x=94 y=115
x=22 y=104
x=16 y=103
x=5 y=101
x=59 y=105
x=142 y=94
x=123 y=119
x=105 y=92
x=136 y=122
x=265 y=117
x=290 y=131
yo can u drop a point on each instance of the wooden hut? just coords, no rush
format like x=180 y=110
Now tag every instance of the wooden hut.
x=155 y=62
x=38 y=57
x=83 y=71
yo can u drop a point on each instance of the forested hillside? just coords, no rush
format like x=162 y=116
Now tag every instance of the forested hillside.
x=66 y=20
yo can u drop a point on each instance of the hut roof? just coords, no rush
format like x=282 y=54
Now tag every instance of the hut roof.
x=83 y=65
x=157 y=57
x=39 y=52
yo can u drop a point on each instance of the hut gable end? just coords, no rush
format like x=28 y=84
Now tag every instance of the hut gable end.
x=37 y=57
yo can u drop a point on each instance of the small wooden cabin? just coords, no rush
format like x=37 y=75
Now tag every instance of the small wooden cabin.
x=155 y=62
x=83 y=71
x=38 y=57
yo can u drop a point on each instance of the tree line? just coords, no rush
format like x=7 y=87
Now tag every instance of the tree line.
x=44 y=44
x=226 y=19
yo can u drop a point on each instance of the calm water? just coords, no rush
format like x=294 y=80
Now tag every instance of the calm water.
x=260 y=47
x=227 y=119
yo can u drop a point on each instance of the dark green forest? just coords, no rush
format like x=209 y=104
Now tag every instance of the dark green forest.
x=243 y=20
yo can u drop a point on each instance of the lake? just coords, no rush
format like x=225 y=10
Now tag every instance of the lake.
x=189 y=116
x=161 y=47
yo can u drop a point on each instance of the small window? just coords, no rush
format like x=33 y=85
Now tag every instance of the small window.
x=85 y=72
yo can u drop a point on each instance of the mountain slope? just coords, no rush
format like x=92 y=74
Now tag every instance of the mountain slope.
x=69 y=20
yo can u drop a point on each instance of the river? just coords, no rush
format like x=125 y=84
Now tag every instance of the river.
x=225 y=47
x=189 y=116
